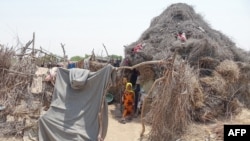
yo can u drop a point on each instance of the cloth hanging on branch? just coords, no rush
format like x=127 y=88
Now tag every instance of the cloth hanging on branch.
x=77 y=98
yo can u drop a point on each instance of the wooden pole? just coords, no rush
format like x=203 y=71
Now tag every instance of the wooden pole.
x=105 y=49
x=93 y=55
x=145 y=101
x=141 y=64
x=23 y=49
x=100 y=113
x=32 y=59
x=33 y=45
x=64 y=56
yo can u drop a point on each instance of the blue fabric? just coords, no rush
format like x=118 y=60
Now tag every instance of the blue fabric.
x=71 y=65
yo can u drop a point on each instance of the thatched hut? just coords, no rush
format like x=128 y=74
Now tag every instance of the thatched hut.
x=207 y=76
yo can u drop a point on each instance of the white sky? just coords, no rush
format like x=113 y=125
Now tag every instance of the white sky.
x=84 y=25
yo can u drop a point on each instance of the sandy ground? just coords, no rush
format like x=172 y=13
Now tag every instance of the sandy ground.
x=122 y=132
x=131 y=130
x=116 y=131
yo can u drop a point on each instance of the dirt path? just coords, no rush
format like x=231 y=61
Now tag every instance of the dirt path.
x=122 y=132
x=116 y=131
x=131 y=130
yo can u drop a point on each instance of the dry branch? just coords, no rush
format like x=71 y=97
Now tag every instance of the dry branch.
x=145 y=101
x=23 y=49
x=105 y=49
x=15 y=72
x=100 y=115
x=166 y=77
x=64 y=55
x=33 y=45
x=141 y=64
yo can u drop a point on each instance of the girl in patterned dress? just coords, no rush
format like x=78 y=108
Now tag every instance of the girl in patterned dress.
x=128 y=102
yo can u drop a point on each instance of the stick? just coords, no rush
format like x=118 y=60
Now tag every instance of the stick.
x=33 y=45
x=32 y=59
x=145 y=101
x=64 y=56
x=23 y=49
x=11 y=71
x=141 y=64
x=105 y=49
x=49 y=53
x=93 y=55
x=100 y=113
x=109 y=57
x=40 y=50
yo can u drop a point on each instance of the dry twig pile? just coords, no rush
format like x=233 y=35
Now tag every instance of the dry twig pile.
x=22 y=107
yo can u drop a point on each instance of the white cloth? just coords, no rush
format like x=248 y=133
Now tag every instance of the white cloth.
x=138 y=81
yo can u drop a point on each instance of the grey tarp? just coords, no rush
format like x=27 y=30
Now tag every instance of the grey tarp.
x=73 y=113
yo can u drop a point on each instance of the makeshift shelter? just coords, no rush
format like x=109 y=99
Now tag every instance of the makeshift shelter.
x=25 y=95
x=203 y=81
x=22 y=107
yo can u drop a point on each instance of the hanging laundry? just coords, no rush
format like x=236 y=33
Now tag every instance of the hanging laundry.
x=76 y=104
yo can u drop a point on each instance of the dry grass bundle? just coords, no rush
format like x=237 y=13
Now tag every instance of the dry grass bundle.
x=240 y=54
x=208 y=63
x=244 y=72
x=6 y=56
x=233 y=107
x=195 y=49
x=177 y=102
x=214 y=94
x=199 y=48
x=214 y=131
x=219 y=98
x=197 y=98
x=243 y=84
x=196 y=132
x=214 y=85
x=243 y=94
x=202 y=132
x=218 y=130
x=229 y=70
x=206 y=66
x=12 y=128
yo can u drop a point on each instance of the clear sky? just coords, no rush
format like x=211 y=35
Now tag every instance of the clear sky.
x=83 y=25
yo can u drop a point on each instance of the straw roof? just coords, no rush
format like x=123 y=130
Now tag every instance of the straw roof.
x=159 y=39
